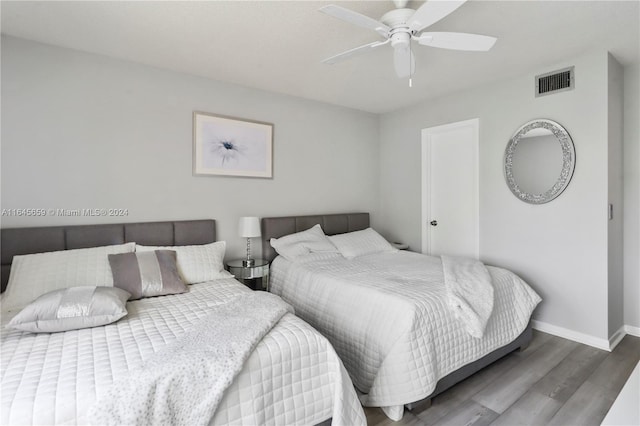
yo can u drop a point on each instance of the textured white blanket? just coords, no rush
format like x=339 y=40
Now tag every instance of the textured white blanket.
x=469 y=291
x=388 y=317
x=184 y=383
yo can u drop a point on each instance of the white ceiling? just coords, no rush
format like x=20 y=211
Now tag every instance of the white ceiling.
x=278 y=45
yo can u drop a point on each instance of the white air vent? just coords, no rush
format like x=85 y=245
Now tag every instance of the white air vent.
x=555 y=81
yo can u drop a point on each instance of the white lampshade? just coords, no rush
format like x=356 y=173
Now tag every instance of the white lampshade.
x=249 y=227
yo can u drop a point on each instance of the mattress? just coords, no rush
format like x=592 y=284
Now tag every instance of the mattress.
x=293 y=375
x=387 y=316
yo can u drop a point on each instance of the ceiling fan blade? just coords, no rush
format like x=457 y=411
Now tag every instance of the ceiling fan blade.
x=431 y=12
x=457 y=41
x=355 y=18
x=404 y=61
x=354 y=52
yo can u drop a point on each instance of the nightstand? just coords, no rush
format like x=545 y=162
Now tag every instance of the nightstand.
x=256 y=276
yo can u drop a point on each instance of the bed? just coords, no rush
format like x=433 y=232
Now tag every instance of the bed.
x=386 y=313
x=292 y=376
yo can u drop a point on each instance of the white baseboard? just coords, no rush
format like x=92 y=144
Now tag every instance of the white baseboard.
x=634 y=331
x=565 y=333
x=616 y=338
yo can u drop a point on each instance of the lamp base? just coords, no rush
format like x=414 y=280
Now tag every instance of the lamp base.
x=248 y=262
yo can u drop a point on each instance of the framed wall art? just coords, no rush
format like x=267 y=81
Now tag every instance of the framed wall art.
x=228 y=146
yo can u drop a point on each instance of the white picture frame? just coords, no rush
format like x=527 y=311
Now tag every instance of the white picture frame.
x=229 y=146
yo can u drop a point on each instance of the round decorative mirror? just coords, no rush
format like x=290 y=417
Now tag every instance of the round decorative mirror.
x=539 y=161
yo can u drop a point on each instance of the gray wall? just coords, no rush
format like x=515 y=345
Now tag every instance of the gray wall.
x=86 y=131
x=560 y=248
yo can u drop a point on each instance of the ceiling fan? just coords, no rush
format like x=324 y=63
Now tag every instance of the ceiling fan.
x=401 y=25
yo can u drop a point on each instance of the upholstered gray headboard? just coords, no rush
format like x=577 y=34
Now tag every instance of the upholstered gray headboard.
x=18 y=241
x=276 y=227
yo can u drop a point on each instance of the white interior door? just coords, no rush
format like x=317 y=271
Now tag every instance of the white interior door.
x=450 y=189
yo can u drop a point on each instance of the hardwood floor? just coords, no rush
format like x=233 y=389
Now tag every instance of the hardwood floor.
x=553 y=382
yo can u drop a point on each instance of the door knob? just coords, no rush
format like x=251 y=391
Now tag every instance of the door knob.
x=434 y=223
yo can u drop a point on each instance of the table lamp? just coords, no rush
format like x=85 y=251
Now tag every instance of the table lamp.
x=249 y=227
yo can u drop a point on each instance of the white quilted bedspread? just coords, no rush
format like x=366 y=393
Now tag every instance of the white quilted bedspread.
x=292 y=377
x=388 y=318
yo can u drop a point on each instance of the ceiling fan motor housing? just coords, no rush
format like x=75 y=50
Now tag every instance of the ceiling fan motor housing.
x=400 y=34
x=397 y=17
x=400 y=3
x=400 y=38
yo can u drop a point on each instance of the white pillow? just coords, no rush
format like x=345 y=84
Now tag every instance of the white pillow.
x=197 y=263
x=33 y=275
x=71 y=309
x=361 y=243
x=312 y=240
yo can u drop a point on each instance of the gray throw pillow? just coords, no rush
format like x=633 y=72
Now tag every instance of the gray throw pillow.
x=147 y=274
x=72 y=308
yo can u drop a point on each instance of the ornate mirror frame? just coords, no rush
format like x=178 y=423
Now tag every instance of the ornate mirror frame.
x=568 y=161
